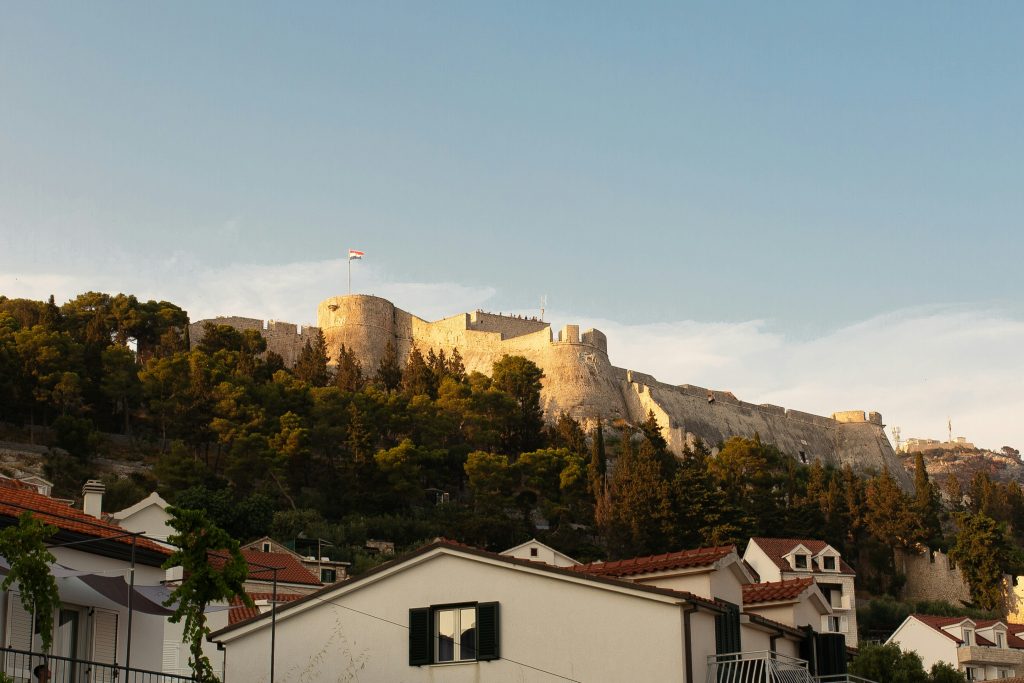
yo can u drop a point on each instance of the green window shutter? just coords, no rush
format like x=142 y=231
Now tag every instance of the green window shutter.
x=487 y=631
x=419 y=637
x=727 y=629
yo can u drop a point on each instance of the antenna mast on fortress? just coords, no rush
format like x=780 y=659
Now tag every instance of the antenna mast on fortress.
x=543 y=305
x=949 y=426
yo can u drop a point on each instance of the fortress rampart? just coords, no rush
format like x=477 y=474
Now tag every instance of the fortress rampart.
x=286 y=339
x=581 y=381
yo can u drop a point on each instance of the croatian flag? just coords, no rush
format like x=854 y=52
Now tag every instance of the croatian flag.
x=353 y=254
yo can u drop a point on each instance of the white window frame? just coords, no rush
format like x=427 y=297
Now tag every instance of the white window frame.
x=806 y=560
x=968 y=637
x=835 y=563
x=457 y=612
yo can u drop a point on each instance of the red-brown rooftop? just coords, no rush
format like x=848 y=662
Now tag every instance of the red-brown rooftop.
x=682 y=559
x=777 y=548
x=14 y=500
x=775 y=591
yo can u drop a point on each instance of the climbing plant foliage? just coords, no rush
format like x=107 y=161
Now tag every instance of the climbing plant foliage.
x=214 y=571
x=24 y=547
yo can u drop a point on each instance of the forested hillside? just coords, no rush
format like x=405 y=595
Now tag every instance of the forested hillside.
x=415 y=448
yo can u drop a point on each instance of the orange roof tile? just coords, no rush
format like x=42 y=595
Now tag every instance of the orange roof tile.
x=290 y=570
x=683 y=559
x=14 y=501
x=775 y=591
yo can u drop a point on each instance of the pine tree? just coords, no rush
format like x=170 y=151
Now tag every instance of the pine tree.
x=311 y=366
x=456 y=368
x=389 y=372
x=360 y=441
x=418 y=378
x=638 y=520
x=349 y=374
x=889 y=512
x=652 y=430
x=520 y=378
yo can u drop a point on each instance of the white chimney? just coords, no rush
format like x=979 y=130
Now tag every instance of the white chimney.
x=92 y=498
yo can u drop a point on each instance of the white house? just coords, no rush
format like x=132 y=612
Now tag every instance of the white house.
x=92 y=573
x=983 y=649
x=149 y=516
x=455 y=613
x=539 y=552
x=777 y=559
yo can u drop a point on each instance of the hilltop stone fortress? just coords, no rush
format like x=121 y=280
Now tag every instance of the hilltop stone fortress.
x=580 y=380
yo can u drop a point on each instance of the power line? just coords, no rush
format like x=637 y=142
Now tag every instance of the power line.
x=404 y=626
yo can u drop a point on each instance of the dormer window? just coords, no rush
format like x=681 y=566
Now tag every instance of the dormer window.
x=828 y=563
x=968 y=637
x=800 y=561
x=1000 y=639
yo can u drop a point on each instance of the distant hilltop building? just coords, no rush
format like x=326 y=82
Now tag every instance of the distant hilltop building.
x=959 y=443
x=580 y=379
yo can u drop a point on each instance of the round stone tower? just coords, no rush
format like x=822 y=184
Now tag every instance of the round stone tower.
x=365 y=324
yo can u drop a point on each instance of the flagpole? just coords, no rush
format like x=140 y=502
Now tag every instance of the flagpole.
x=350 y=274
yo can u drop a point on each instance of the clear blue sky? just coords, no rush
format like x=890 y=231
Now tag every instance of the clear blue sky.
x=811 y=163
x=814 y=165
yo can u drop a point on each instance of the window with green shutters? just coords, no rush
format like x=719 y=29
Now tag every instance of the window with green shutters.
x=727 y=629
x=443 y=634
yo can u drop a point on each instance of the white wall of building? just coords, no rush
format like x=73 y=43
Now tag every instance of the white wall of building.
x=931 y=646
x=566 y=626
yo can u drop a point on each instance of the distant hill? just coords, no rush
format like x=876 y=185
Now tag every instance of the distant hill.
x=1001 y=466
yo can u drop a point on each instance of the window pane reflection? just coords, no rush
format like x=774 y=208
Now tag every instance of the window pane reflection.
x=467 y=628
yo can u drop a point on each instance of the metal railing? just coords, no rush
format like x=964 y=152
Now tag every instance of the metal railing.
x=20 y=664
x=757 y=667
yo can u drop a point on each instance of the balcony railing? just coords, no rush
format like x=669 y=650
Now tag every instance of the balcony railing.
x=19 y=664
x=757 y=667
x=768 y=667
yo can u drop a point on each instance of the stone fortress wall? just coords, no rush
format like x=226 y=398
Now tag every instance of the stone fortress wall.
x=286 y=339
x=581 y=381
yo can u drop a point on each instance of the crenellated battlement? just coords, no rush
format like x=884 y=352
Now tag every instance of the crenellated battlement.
x=283 y=338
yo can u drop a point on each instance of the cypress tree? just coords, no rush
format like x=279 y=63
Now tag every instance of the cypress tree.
x=598 y=464
x=926 y=504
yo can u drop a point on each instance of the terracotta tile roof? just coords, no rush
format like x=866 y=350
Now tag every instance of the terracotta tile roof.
x=290 y=569
x=776 y=549
x=938 y=623
x=16 y=500
x=683 y=559
x=1013 y=631
x=239 y=612
x=775 y=591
